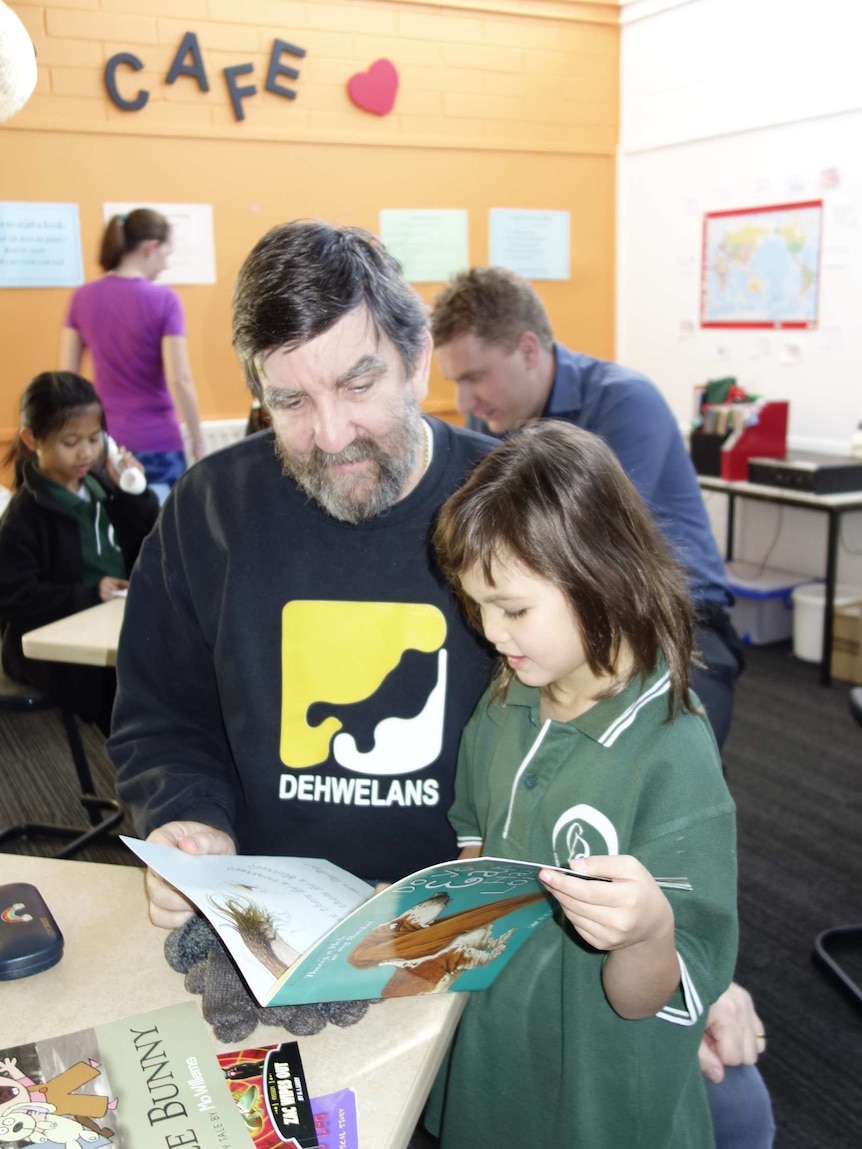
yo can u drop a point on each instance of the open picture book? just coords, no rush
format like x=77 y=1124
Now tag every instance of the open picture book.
x=302 y=930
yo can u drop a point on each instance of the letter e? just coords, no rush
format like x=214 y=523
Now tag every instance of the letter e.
x=276 y=68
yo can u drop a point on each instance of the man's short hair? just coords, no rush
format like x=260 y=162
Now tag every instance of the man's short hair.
x=494 y=304
x=302 y=277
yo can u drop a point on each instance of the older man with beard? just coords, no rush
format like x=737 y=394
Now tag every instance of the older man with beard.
x=293 y=673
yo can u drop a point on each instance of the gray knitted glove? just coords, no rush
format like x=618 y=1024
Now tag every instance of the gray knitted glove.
x=196 y=950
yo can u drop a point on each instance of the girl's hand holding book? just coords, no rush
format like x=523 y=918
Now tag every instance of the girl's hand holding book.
x=626 y=910
x=630 y=918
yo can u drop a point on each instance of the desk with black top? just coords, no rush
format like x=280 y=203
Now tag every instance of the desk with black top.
x=834 y=506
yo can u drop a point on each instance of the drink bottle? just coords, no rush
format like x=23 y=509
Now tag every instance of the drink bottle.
x=132 y=480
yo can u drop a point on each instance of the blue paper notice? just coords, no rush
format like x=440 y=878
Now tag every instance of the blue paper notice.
x=533 y=243
x=40 y=245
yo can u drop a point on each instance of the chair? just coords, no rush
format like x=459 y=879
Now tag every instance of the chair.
x=843 y=939
x=104 y=813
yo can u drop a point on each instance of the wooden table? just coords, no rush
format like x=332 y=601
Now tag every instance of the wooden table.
x=834 y=506
x=113 y=966
x=90 y=636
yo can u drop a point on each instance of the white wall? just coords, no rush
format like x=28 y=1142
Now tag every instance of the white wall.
x=732 y=104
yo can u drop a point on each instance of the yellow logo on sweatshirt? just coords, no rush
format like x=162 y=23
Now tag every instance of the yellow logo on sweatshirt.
x=340 y=653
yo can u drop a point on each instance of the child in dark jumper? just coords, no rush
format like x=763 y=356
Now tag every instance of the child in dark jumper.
x=69 y=535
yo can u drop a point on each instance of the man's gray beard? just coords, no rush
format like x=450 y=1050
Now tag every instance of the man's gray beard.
x=394 y=466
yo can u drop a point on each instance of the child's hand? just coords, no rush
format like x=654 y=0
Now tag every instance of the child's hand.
x=116 y=464
x=613 y=915
x=628 y=916
x=109 y=587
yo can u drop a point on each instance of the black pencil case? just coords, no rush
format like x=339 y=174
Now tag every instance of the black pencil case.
x=30 y=939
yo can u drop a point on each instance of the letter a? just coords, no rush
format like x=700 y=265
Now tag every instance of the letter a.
x=195 y=68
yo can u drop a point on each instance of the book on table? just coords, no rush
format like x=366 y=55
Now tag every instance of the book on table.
x=155 y=1079
x=150 y=1079
x=303 y=930
x=270 y=1091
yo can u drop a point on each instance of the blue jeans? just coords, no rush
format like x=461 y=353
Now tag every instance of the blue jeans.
x=741 y=1110
x=162 y=469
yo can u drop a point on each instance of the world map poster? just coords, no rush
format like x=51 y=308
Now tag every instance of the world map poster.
x=761 y=266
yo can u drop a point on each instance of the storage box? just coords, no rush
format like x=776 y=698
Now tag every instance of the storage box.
x=809 y=605
x=765 y=434
x=847 y=643
x=731 y=433
x=763 y=611
x=705 y=450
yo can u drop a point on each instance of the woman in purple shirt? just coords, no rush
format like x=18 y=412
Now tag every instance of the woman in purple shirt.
x=134 y=331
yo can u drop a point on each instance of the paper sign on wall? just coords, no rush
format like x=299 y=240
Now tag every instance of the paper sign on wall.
x=40 y=245
x=533 y=243
x=430 y=245
x=193 y=256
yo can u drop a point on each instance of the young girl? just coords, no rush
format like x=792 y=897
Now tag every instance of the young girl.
x=69 y=537
x=589 y=752
x=134 y=330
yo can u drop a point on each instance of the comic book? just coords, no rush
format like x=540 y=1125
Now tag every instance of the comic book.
x=150 y=1079
x=302 y=930
x=270 y=1091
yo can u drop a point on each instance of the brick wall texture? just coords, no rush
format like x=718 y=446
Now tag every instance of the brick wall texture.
x=511 y=75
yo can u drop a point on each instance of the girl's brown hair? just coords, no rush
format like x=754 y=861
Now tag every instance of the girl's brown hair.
x=555 y=499
x=125 y=233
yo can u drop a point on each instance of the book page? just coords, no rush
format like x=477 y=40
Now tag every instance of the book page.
x=452 y=926
x=267 y=910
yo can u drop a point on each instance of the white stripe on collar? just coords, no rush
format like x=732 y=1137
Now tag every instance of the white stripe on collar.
x=624 y=721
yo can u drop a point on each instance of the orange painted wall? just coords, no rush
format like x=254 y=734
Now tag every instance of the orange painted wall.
x=500 y=104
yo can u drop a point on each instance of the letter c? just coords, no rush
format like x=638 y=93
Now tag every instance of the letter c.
x=111 y=82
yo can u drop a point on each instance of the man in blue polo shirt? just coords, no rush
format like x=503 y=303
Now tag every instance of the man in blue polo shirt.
x=494 y=342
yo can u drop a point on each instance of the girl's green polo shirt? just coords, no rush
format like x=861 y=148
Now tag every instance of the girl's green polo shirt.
x=541 y=1057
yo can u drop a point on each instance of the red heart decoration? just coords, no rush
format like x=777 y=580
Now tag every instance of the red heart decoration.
x=376 y=89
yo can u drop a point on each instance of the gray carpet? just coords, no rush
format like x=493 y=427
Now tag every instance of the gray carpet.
x=39 y=782
x=794 y=764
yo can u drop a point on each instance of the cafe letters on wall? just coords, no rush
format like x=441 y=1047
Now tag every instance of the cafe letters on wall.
x=188 y=61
